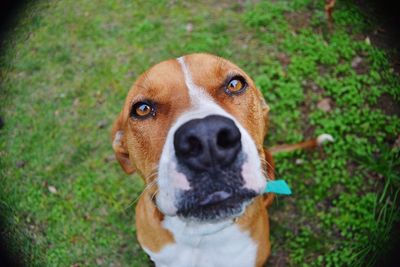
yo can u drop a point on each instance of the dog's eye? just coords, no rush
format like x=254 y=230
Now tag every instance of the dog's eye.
x=236 y=85
x=142 y=110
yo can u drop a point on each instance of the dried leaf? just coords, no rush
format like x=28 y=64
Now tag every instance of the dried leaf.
x=102 y=124
x=189 y=27
x=325 y=104
x=356 y=62
x=20 y=164
x=52 y=189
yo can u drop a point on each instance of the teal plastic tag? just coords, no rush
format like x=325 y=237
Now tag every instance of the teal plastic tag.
x=277 y=187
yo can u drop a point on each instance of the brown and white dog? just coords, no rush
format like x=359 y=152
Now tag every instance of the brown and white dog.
x=193 y=128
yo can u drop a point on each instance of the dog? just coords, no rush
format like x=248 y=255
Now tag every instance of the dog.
x=193 y=128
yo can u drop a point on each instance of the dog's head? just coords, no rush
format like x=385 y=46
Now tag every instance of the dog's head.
x=193 y=128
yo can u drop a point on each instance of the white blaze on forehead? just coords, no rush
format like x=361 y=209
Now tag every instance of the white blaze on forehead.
x=196 y=93
x=202 y=103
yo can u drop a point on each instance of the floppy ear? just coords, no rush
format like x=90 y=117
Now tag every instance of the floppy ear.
x=119 y=145
x=265 y=111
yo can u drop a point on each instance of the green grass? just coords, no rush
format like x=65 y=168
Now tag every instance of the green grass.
x=68 y=67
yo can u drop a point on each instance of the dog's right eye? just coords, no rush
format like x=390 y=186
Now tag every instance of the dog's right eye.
x=143 y=110
x=236 y=85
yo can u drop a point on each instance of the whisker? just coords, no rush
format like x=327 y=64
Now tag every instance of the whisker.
x=148 y=187
x=141 y=194
x=154 y=194
x=270 y=166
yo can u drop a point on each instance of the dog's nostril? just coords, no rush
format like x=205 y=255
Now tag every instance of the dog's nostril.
x=227 y=138
x=194 y=145
x=188 y=145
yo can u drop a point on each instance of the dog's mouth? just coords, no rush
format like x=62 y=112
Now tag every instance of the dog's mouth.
x=215 y=198
x=215 y=206
x=215 y=195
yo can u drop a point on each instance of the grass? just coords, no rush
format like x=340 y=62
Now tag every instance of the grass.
x=69 y=64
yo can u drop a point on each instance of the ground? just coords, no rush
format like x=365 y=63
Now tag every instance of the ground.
x=68 y=65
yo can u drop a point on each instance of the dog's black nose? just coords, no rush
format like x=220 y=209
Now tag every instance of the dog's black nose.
x=213 y=141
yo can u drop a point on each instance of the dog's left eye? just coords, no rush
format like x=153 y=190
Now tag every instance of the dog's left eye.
x=142 y=110
x=236 y=85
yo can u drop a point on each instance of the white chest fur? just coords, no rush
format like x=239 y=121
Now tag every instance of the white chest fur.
x=205 y=245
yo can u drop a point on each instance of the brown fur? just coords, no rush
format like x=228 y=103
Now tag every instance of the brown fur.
x=150 y=232
x=141 y=145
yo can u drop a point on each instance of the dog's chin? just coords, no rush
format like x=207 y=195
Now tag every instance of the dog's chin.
x=228 y=209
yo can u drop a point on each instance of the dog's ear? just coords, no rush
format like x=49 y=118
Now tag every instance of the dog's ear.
x=265 y=107
x=119 y=145
x=265 y=111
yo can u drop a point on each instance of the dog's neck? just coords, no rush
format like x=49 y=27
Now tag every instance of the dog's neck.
x=180 y=243
x=213 y=244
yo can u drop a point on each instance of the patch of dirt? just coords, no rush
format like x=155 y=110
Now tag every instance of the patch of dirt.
x=309 y=131
x=284 y=59
x=307 y=128
x=109 y=158
x=20 y=164
x=354 y=168
x=315 y=88
x=298 y=20
x=388 y=105
x=334 y=194
x=324 y=69
x=325 y=104
x=360 y=65
x=278 y=258
x=239 y=5
x=311 y=89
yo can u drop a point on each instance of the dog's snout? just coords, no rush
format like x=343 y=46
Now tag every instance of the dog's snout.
x=213 y=141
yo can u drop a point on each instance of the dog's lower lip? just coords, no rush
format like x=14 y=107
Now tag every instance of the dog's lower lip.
x=228 y=204
x=215 y=197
